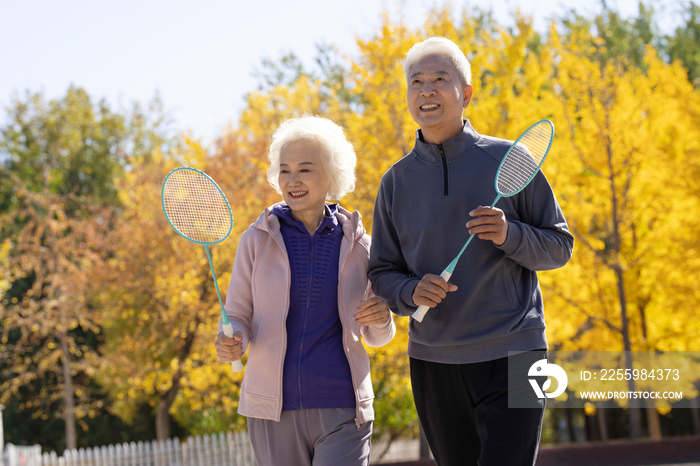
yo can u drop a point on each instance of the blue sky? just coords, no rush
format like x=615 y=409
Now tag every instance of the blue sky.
x=200 y=55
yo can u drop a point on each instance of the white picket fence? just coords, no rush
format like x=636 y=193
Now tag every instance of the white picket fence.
x=205 y=450
x=217 y=449
x=399 y=451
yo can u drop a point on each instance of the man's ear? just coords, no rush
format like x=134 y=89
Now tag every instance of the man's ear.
x=468 y=92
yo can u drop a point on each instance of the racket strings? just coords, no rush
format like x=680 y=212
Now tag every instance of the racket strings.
x=196 y=207
x=524 y=159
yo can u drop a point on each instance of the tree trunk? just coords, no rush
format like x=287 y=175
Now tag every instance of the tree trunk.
x=2 y=438
x=602 y=424
x=653 y=422
x=163 y=420
x=68 y=401
x=695 y=412
x=570 y=425
x=590 y=427
x=166 y=401
x=163 y=411
x=634 y=410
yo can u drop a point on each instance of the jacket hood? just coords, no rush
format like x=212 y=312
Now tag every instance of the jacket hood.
x=350 y=221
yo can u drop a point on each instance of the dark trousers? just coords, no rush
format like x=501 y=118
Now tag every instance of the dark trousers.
x=463 y=409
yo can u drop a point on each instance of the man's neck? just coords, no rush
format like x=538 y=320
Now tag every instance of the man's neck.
x=441 y=135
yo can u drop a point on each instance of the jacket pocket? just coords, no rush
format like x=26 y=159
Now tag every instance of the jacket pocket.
x=362 y=375
x=262 y=371
x=514 y=286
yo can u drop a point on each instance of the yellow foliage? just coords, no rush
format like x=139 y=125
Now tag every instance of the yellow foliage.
x=625 y=177
x=625 y=166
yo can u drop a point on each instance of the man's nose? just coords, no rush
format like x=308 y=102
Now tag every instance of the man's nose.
x=428 y=89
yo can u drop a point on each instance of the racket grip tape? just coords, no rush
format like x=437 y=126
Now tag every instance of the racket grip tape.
x=236 y=366
x=423 y=309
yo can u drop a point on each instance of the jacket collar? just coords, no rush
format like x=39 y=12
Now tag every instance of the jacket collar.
x=329 y=220
x=453 y=149
x=350 y=221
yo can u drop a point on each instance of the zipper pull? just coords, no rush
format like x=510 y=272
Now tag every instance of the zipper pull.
x=357 y=423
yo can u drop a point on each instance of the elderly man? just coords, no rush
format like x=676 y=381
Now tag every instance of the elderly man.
x=492 y=304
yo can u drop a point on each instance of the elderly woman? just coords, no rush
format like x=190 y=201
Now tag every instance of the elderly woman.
x=299 y=296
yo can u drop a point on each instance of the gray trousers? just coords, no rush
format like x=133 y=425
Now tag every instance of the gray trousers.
x=318 y=437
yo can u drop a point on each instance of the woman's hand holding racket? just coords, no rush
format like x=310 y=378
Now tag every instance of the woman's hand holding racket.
x=229 y=349
x=373 y=311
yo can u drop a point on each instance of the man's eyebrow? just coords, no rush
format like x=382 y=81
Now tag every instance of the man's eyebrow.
x=439 y=73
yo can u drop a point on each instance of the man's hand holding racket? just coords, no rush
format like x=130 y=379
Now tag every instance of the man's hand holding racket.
x=229 y=349
x=490 y=224
x=431 y=290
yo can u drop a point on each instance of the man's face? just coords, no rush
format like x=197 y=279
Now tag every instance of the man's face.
x=436 y=98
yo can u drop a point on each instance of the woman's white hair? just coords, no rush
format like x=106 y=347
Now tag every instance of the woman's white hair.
x=442 y=47
x=337 y=154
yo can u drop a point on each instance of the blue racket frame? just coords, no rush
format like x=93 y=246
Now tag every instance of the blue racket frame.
x=450 y=268
x=206 y=244
x=546 y=153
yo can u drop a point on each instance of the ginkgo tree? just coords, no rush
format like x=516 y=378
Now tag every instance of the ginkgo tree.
x=627 y=141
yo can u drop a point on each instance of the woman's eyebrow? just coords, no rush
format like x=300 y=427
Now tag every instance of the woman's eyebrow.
x=300 y=163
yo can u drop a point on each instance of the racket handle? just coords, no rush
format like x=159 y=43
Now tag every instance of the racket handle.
x=423 y=309
x=236 y=366
x=420 y=312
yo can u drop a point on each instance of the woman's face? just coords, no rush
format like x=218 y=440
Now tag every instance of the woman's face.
x=302 y=179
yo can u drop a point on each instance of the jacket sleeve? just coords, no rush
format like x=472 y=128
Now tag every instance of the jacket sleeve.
x=540 y=240
x=239 y=296
x=388 y=270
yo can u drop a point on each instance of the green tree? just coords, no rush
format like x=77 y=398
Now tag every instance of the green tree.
x=57 y=192
x=613 y=36
x=684 y=44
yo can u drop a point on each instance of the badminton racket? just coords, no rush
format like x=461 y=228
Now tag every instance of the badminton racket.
x=519 y=166
x=197 y=210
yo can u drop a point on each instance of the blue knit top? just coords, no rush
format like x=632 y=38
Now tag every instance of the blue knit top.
x=316 y=372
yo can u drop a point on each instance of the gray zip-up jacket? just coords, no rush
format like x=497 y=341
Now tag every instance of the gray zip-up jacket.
x=421 y=210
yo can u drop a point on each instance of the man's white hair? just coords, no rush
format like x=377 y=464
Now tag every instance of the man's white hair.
x=442 y=47
x=337 y=154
